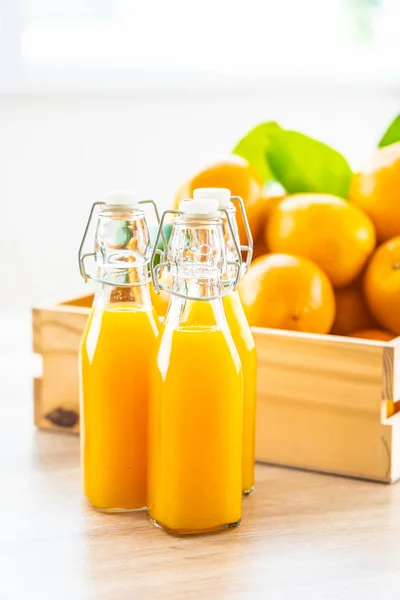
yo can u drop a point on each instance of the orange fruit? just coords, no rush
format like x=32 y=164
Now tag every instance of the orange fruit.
x=241 y=178
x=352 y=312
x=373 y=334
x=331 y=232
x=382 y=285
x=376 y=190
x=260 y=247
x=268 y=203
x=288 y=292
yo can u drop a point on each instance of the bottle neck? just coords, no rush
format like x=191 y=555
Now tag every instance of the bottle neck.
x=202 y=313
x=198 y=287
x=136 y=297
x=122 y=236
x=196 y=262
x=195 y=315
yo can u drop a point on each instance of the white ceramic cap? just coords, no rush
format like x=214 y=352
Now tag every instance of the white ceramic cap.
x=121 y=197
x=203 y=206
x=223 y=195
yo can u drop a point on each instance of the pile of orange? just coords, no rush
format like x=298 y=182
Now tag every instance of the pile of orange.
x=322 y=264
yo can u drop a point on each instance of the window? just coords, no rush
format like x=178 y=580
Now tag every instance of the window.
x=129 y=43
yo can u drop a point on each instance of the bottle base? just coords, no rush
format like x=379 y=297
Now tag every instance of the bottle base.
x=114 y=510
x=193 y=532
x=248 y=491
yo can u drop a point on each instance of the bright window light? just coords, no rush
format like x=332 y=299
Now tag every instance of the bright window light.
x=267 y=38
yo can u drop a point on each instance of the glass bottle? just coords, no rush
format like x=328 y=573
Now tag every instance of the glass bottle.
x=115 y=349
x=239 y=326
x=196 y=398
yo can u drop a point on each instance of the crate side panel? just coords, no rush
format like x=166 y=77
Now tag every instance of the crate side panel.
x=391 y=440
x=321 y=438
x=320 y=372
x=36 y=330
x=59 y=398
x=395 y=375
x=37 y=399
x=61 y=331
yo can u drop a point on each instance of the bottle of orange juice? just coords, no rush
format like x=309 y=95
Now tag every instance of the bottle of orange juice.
x=196 y=397
x=240 y=329
x=119 y=337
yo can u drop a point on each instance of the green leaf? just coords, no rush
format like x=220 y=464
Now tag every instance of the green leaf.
x=392 y=133
x=153 y=232
x=123 y=234
x=303 y=164
x=253 y=145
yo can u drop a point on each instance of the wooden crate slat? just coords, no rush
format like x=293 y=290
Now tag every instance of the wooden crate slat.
x=314 y=370
x=36 y=330
x=396 y=372
x=320 y=438
x=37 y=400
x=61 y=329
x=57 y=334
x=391 y=443
x=60 y=391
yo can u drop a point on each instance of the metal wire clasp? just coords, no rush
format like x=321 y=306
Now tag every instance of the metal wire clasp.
x=155 y=269
x=83 y=256
x=250 y=245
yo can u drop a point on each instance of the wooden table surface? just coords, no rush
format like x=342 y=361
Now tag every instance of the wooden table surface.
x=303 y=535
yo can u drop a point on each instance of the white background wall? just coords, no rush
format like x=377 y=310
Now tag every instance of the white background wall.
x=60 y=153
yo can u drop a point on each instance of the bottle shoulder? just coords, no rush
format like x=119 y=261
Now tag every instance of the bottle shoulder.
x=197 y=347
x=116 y=326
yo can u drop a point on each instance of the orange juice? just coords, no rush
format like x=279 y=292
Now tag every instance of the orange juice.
x=195 y=423
x=115 y=351
x=236 y=318
x=244 y=342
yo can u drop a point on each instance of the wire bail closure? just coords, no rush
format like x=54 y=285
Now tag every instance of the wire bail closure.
x=155 y=269
x=250 y=244
x=122 y=269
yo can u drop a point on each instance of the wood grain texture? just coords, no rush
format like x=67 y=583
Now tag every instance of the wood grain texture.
x=321 y=400
x=56 y=336
x=391 y=441
x=37 y=400
x=396 y=369
x=303 y=536
x=314 y=369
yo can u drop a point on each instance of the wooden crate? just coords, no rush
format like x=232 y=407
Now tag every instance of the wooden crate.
x=325 y=403
x=57 y=331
